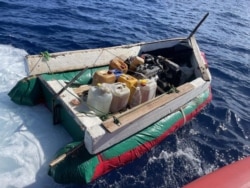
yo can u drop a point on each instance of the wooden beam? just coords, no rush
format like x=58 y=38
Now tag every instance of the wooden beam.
x=76 y=60
x=80 y=59
x=143 y=109
x=201 y=64
x=81 y=89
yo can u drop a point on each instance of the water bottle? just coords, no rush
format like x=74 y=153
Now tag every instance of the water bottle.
x=120 y=98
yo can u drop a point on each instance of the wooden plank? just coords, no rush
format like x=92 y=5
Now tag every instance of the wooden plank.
x=81 y=89
x=80 y=59
x=201 y=64
x=76 y=60
x=143 y=109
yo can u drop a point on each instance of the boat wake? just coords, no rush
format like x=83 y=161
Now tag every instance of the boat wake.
x=27 y=134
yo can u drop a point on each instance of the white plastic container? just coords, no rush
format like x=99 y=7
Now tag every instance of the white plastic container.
x=99 y=99
x=148 y=89
x=120 y=98
x=135 y=98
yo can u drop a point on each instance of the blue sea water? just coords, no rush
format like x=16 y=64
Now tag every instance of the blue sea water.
x=219 y=135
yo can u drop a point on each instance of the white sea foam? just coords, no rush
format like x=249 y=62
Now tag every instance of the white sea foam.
x=28 y=138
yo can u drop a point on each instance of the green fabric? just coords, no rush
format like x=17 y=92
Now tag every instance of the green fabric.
x=148 y=134
x=80 y=165
x=86 y=78
x=71 y=126
x=26 y=92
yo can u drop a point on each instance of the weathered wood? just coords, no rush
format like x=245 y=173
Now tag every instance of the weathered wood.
x=143 y=109
x=81 y=89
x=201 y=64
x=64 y=155
x=76 y=60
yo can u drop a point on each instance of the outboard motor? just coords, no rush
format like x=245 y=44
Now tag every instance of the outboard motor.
x=170 y=74
x=150 y=67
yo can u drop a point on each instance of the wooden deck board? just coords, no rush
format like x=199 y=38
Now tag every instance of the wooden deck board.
x=143 y=109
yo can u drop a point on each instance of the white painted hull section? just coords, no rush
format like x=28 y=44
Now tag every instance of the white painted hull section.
x=76 y=60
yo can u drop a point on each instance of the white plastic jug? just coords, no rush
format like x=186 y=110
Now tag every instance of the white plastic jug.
x=148 y=89
x=135 y=98
x=120 y=98
x=99 y=99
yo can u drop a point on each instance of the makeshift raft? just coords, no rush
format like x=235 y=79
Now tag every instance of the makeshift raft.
x=64 y=82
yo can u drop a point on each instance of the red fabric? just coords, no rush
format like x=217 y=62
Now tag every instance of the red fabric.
x=108 y=165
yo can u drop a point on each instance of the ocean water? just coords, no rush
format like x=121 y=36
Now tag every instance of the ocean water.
x=219 y=135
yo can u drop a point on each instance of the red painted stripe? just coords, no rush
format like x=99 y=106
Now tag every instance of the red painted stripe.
x=106 y=166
